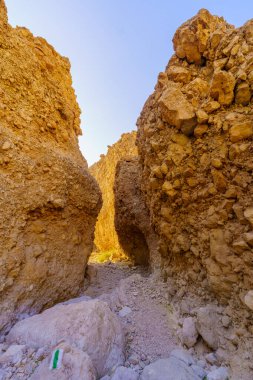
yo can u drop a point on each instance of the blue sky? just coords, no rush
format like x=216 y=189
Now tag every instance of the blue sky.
x=116 y=48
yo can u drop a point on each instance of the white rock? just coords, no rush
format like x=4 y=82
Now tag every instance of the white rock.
x=218 y=374
x=2 y=374
x=248 y=299
x=89 y=326
x=168 y=369
x=199 y=371
x=189 y=332
x=182 y=355
x=2 y=347
x=211 y=358
x=13 y=354
x=76 y=365
x=123 y=373
x=201 y=363
x=125 y=311
x=226 y=321
x=208 y=325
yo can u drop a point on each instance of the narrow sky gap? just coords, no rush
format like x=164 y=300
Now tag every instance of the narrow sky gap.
x=116 y=49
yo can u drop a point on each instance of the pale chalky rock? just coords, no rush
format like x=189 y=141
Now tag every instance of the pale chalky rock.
x=75 y=365
x=125 y=311
x=123 y=373
x=189 y=332
x=248 y=299
x=3 y=374
x=89 y=326
x=182 y=355
x=13 y=355
x=168 y=369
x=218 y=374
x=207 y=325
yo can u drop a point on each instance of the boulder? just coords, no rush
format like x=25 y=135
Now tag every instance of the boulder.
x=218 y=374
x=168 y=369
x=222 y=87
x=89 y=326
x=189 y=332
x=191 y=39
x=241 y=131
x=175 y=109
x=182 y=355
x=123 y=373
x=207 y=325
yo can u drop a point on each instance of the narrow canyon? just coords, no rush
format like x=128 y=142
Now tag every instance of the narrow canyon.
x=141 y=266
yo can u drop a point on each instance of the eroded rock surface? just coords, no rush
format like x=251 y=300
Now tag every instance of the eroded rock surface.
x=132 y=220
x=104 y=171
x=88 y=326
x=49 y=201
x=195 y=144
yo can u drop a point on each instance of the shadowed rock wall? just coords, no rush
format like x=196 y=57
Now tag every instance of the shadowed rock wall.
x=132 y=220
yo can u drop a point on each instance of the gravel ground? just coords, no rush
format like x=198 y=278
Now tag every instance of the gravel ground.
x=141 y=303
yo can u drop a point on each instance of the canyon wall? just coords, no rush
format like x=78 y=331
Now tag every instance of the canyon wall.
x=195 y=145
x=106 y=238
x=132 y=220
x=49 y=201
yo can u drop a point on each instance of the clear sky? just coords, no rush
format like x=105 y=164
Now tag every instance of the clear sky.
x=116 y=48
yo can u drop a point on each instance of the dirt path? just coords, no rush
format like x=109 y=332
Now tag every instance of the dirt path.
x=141 y=303
x=152 y=314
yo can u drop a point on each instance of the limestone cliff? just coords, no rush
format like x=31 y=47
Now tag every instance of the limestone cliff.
x=104 y=171
x=49 y=201
x=195 y=144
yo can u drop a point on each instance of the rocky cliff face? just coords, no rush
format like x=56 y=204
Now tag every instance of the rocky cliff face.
x=132 y=220
x=195 y=144
x=104 y=171
x=49 y=201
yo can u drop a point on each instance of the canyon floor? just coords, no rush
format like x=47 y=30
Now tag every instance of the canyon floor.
x=158 y=320
x=153 y=316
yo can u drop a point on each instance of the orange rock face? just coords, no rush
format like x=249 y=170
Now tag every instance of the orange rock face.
x=49 y=201
x=195 y=146
x=104 y=170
